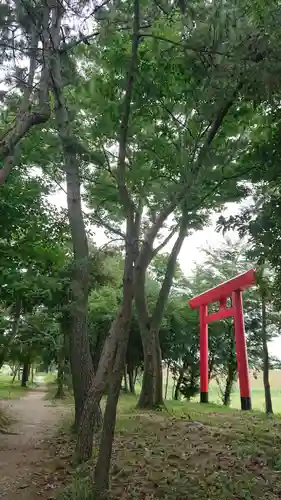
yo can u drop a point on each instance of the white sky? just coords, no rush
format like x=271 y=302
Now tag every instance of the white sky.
x=191 y=252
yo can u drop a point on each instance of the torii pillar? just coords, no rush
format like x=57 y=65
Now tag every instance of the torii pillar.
x=232 y=288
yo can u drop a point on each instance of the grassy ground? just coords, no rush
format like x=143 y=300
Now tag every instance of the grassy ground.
x=9 y=390
x=257 y=392
x=191 y=452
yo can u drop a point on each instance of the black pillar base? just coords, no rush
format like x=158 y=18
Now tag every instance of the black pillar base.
x=246 y=403
x=204 y=397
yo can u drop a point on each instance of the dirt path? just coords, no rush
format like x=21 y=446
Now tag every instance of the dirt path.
x=26 y=462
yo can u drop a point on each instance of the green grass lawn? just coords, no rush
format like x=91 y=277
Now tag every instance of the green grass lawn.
x=257 y=392
x=9 y=390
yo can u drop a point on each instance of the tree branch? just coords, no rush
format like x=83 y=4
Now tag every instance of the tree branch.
x=165 y=241
x=123 y=136
x=25 y=119
x=66 y=47
x=218 y=122
x=159 y=308
x=99 y=221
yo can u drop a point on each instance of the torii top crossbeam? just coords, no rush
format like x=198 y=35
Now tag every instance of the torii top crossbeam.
x=225 y=289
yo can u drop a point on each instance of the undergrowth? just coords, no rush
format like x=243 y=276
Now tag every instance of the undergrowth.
x=192 y=452
x=80 y=489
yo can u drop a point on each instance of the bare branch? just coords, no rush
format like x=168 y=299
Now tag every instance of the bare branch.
x=159 y=308
x=165 y=241
x=99 y=221
x=83 y=39
x=218 y=121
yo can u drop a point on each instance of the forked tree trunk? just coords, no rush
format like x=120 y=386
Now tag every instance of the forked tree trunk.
x=112 y=358
x=116 y=373
x=79 y=348
x=152 y=383
x=266 y=383
x=110 y=361
x=84 y=445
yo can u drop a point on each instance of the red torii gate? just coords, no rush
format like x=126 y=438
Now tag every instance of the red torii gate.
x=232 y=288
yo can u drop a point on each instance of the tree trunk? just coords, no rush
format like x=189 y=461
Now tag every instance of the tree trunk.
x=229 y=385
x=266 y=383
x=231 y=370
x=167 y=380
x=178 y=384
x=119 y=331
x=60 y=376
x=25 y=373
x=14 y=330
x=136 y=375
x=173 y=388
x=152 y=383
x=61 y=358
x=84 y=445
x=16 y=370
x=151 y=389
x=131 y=380
x=211 y=366
x=101 y=483
x=146 y=399
x=79 y=348
x=126 y=387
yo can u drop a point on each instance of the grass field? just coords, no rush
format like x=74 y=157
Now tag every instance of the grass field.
x=12 y=391
x=257 y=392
x=9 y=390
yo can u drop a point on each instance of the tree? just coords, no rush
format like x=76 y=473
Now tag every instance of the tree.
x=155 y=114
x=47 y=34
x=24 y=31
